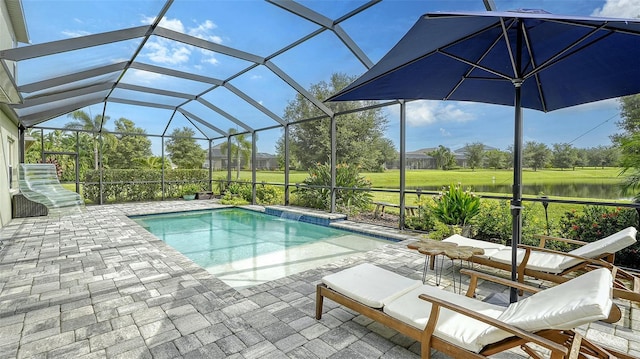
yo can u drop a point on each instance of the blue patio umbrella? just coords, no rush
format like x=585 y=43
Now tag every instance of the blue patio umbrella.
x=525 y=58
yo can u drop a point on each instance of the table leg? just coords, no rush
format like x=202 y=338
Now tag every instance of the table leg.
x=438 y=272
x=425 y=268
x=454 y=277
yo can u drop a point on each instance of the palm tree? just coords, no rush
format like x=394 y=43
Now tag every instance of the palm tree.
x=240 y=149
x=444 y=158
x=82 y=121
x=151 y=162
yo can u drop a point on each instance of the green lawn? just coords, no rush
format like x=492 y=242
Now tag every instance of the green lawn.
x=437 y=178
x=423 y=178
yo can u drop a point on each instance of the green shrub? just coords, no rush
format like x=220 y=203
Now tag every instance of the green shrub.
x=231 y=199
x=268 y=194
x=440 y=231
x=126 y=185
x=494 y=221
x=596 y=222
x=424 y=220
x=190 y=188
x=346 y=176
x=241 y=189
x=456 y=206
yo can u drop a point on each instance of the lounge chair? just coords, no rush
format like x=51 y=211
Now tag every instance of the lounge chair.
x=39 y=183
x=464 y=327
x=558 y=267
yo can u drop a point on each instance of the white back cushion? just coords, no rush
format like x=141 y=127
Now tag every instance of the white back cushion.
x=610 y=244
x=557 y=263
x=581 y=300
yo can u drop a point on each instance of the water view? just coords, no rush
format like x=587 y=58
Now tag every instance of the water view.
x=605 y=191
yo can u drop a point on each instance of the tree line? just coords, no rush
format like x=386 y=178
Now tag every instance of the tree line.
x=536 y=156
x=126 y=147
x=360 y=141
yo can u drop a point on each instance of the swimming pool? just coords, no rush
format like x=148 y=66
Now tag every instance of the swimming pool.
x=245 y=248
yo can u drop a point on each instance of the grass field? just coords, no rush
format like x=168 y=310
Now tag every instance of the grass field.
x=437 y=178
x=419 y=178
x=390 y=179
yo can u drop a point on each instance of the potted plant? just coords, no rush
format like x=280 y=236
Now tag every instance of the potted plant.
x=455 y=207
x=189 y=191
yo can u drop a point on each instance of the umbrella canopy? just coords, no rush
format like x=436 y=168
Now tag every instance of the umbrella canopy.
x=526 y=58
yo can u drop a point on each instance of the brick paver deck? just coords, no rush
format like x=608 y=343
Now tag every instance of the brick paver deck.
x=97 y=285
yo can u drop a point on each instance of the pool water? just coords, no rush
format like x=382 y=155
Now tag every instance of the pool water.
x=245 y=248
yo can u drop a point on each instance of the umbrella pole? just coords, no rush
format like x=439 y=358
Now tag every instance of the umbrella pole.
x=516 y=201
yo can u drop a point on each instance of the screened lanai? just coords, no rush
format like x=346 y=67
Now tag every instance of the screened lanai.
x=236 y=81
x=99 y=81
x=227 y=71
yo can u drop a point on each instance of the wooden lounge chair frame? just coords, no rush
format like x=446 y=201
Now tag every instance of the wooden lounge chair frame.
x=561 y=343
x=629 y=291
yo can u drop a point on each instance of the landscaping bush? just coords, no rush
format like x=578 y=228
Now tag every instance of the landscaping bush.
x=347 y=200
x=126 y=185
x=268 y=194
x=235 y=200
x=424 y=220
x=596 y=222
x=494 y=221
x=456 y=206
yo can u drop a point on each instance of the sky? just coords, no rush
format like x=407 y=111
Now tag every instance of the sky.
x=261 y=28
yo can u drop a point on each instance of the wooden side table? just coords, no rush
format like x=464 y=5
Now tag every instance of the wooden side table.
x=432 y=248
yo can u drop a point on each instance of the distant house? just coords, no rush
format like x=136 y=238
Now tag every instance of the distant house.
x=419 y=159
x=264 y=161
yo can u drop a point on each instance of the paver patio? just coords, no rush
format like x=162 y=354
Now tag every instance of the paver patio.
x=97 y=285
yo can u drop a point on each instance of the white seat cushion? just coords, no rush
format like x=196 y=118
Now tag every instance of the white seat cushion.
x=452 y=327
x=370 y=285
x=582 y=300
x=542 y=261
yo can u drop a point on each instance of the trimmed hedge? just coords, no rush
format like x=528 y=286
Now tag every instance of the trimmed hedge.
x=129 y=185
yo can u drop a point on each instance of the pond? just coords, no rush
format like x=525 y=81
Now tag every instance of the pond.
x=606 y=191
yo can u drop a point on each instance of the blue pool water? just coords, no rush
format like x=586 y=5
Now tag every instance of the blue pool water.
x=250 y=246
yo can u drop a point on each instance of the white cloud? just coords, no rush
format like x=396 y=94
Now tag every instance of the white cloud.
x=444 y=133
x=145 y=77
x=424 y=113
x=171 y=24
x=170 y=52
x=256 y=77
x=76 y=33
x=619 y=8
x=163 y=52
x=210 y=59
x=203 y=31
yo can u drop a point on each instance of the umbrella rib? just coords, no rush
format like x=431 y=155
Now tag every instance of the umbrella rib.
x=457 y=58
x=561 y=54
x=516 y=75
x=533 y=63
x=466 y=75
